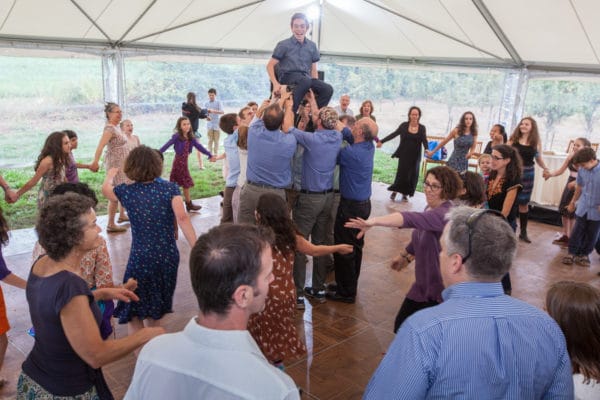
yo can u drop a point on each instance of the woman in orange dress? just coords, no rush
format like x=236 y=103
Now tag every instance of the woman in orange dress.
x=273 y=328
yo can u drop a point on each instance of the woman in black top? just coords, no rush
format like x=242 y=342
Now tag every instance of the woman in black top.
x=413 y=135
x=194 y=113
x=498 y=136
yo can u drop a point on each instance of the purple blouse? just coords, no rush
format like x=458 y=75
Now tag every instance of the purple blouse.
x=179 y=145
x=425 y=246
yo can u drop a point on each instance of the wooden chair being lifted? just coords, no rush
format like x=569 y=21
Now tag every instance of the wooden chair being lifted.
x=474 y=160
x=429 y=160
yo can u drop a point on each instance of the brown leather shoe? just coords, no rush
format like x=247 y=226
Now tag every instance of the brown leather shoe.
x=191 y=206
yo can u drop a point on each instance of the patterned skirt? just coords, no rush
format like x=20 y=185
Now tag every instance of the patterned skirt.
x=28 y=389
x=524 y=195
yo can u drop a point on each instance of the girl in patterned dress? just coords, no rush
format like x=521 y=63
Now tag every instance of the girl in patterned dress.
x=465 y=141
x=50 y=166
x=183 y=141
x=274 y=329
x=117 y=149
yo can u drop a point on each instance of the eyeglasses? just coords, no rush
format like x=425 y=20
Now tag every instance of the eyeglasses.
x=497 y=158
x=472 y=221
x=432 y=187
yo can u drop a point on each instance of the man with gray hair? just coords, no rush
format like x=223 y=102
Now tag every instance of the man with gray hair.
x=342 y=108
x=312 y=210
x=479 y=343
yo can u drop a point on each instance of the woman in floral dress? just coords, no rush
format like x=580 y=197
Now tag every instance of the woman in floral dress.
x=465 y=141
x=273 y=328
x=117 y=149
x=153 y=205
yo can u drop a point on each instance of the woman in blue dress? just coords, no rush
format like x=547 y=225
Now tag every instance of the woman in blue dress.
x=465 y=140
x=153 y=205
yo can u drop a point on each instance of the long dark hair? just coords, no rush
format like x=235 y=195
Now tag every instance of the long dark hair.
x=462 y=126
x=182 y=134
x=273 y=212
x=191 y=99
x=514 y=168
x=534 y=135
x=53 y=148
x=3 y=229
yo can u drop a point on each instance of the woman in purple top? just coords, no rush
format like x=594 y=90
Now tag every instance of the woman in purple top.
x=442 y=184
x=69 y=352
x=183 y=141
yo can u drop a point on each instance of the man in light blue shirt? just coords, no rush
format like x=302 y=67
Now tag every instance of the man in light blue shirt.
x=270 y=153
x=479 y=343
x=312 y=210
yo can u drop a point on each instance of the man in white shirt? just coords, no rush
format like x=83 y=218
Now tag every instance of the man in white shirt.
x=215 y=357
x=342 y=108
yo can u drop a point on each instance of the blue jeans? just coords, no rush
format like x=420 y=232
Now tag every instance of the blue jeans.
x=584 y=236
x=323 y=91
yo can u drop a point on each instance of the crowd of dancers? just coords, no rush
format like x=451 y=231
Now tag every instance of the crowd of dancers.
x=301 y=172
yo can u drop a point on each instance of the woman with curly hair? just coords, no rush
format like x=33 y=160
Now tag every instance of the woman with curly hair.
x=526 y=140
x=50 y=166
x=575 y=306
x=192 y=110
x=69 y=352
x=274 y=329
x=441 y=186
x=366 y=110
x=465 y=140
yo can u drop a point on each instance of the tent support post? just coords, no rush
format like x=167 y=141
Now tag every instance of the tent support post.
x=113 y=76
x=513 y=98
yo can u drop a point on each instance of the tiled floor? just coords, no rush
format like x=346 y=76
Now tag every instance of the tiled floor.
x=345 y=342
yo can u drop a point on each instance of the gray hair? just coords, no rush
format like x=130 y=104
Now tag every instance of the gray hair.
x=493 y=243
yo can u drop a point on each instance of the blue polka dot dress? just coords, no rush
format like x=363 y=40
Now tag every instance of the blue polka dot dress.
x=154 y=257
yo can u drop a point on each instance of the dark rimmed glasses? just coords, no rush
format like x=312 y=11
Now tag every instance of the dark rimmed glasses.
x=472 y=221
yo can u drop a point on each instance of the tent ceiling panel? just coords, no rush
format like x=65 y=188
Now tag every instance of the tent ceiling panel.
x=544 y=32
x=551 y=34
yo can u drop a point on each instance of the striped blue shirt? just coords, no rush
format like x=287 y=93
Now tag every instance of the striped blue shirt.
x=477 y=344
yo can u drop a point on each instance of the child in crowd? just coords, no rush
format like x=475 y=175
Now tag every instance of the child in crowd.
x=587 y=216
x=229 y=124
x=576 y=308
x=473 y=192
x=71 y=168
x=7 y=277
x=568 y=218
x=242 y=144
x=133 y=141
x=183 y=140
x=485 y=165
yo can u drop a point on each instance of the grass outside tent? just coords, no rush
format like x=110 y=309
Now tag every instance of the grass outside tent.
x=208 y=183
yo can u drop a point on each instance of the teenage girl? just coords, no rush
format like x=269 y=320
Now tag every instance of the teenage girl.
x=183 y=141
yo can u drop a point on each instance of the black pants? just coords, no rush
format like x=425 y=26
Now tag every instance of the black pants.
x=347 y=266
x=323 y=91
x=408 y=308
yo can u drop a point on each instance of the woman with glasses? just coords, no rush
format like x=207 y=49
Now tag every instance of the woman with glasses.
x=503 y=187
x=441 y=186
x=117 y=150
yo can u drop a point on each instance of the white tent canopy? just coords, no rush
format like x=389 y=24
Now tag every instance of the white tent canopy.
x=553 y=35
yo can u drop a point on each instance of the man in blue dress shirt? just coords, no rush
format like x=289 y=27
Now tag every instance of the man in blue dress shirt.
x=479 y=343
x=356 y=174
x=312 y=208
x=296 y=60
x=270 y=154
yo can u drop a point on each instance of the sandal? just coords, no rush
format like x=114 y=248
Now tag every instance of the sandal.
x=568 y=259
x=115 y=229
x=393 y=196
x=582 y=261
x=124 y=218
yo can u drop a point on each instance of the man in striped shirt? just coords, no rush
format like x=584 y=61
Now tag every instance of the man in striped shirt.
x=479 y=343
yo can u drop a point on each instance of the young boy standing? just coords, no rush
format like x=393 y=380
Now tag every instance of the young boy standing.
x=587 y=215
x=215 y=109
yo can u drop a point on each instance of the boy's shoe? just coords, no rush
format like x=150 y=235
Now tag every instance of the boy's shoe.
x=582 y=261
x=318 y=295
x=568 y=259
x=300 y=303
